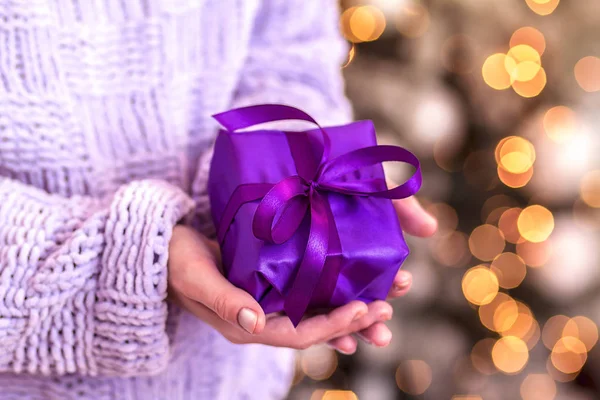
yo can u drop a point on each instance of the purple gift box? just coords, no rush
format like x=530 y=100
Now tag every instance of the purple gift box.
x=305 y=219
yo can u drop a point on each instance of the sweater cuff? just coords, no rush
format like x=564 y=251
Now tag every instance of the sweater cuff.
x=130 y=308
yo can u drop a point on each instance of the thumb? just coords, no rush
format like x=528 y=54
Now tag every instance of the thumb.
x=201 y=280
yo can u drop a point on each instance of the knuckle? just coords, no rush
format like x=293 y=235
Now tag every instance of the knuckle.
x=220 y=305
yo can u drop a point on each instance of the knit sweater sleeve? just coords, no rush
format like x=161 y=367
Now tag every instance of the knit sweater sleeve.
x=295 y=58
x=83 y=281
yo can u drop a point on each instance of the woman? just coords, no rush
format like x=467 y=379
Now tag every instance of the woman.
x=105 y=133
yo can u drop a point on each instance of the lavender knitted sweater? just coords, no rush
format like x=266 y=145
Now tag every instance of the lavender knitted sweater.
x=105 y=133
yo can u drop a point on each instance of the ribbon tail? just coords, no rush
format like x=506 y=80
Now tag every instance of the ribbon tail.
x=309 y=272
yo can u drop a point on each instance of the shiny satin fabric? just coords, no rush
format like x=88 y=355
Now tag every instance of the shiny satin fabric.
x=305 y=219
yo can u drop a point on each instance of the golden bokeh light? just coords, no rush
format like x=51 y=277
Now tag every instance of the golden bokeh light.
x=481 y=356
x=515 y=154
x=535 y=223
x=494 y=72
x=510 y=354
x=339 y=395
x=525 y=326
x=507 y=223
x=413 y=377
x=568 y=355
x=553 y=329
x=362 y=24
x=529 y=36
x=538 y=387
x=560 y=124
x=480 y=285
x=587 y=73
x=486 y=242
x=499 y=314
x=590 y=189
x=319 y=362
x=493 y=204
x=495 y=215
x=583 y=329
x=515 y=181
x=522 y=63
x=456 y=54
x=532 y=87
x=542 y=7
x=557 y=375
x=450 y=249
x=413 y=20
x=510 y=270
x=534 y=254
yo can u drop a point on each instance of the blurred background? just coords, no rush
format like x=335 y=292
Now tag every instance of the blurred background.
x=500 y=100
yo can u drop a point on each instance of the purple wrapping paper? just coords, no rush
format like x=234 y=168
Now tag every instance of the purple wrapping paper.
x=372 y=247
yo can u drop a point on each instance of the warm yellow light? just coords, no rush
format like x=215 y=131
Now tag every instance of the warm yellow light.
x=538 y=387
x=480 y=285
x=525 y=326
x=587 y=73
x=533 y=87
x=515 y=154
x=413 y=377
x=510 y=270
x=534 y=254
x=510 y=354
x=560 y=123
x=590 y=189
x=486 y=242
x=557 y=375
x=413 y=20
x=507 y=223
x=339 y=395
x=535 y=223
x=569 y=355
x=515 y=181
x=500 y=313
x=583 y=329
x=542 y=7
x=481 y=356
x=553 y=329
x=522 y=63
x=362 y=24
x=498 y=202
x=529 y=36
x=494 y=72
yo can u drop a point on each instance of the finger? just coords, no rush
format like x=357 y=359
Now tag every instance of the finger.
x=377 y=334
x=199 y=279
x=413 y=218
x=378 y=311
x=345 y=344
x=279 y=331
x=402 y=284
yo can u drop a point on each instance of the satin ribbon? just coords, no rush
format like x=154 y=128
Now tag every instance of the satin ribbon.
x=284 y=205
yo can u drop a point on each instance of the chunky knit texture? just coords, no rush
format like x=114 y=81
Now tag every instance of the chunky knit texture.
x=105 y=133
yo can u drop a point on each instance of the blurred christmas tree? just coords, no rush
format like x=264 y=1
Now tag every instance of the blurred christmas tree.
x=498 y=99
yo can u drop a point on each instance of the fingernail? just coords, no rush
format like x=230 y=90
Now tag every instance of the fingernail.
x=403 y=281
x=248 y=319
x=385 y=316
x=359 y=315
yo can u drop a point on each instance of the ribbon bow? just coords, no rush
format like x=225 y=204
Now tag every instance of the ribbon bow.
x=284 y=205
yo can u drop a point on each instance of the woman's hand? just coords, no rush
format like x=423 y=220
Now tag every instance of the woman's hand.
x=197 y=284
x=416 y=222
